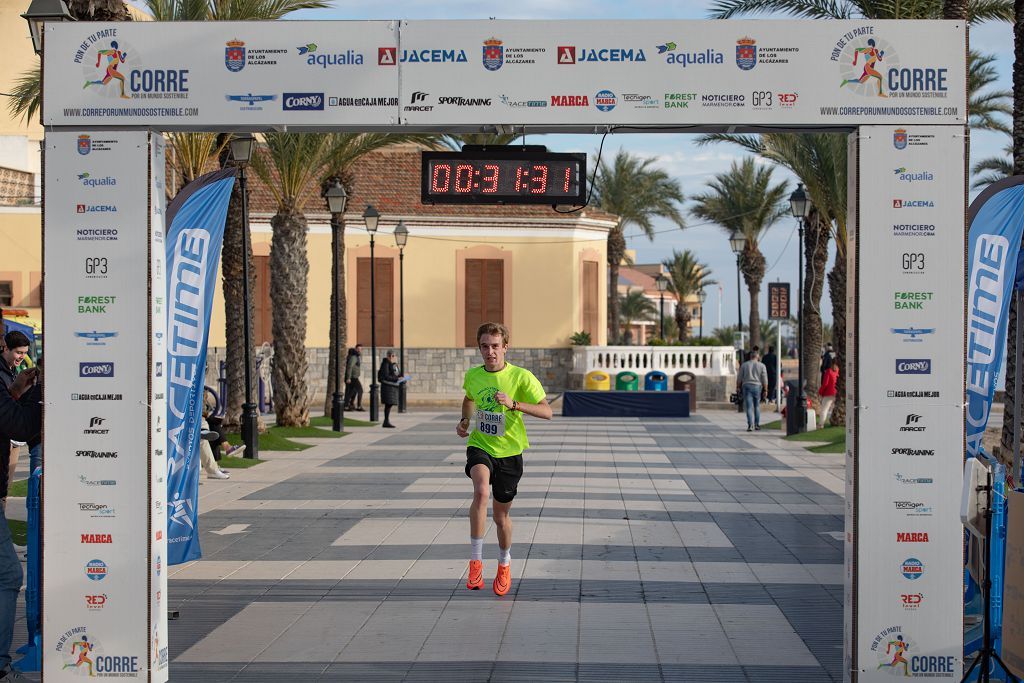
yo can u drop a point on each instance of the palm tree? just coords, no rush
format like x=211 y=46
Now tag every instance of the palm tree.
x=977 y=10
x=725 y=336
x=986 y=108
x=636 y=307
x=994 y=168
x=346 y=149
x=743 y=200
x=637 y=193
x=456 y=142
x=686 y=277
x=290 y=163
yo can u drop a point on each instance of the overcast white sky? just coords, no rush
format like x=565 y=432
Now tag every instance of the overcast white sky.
x=675 y=153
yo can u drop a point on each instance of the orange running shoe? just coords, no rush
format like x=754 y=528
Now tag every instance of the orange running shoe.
x=503 y=581
x=476 y=575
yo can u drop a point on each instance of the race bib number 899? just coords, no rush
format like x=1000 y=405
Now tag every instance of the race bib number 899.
x=492 y=424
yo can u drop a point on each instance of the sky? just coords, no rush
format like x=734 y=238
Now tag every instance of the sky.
x=677 y=154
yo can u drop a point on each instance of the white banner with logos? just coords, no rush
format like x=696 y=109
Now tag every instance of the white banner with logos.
x=101 y=550
x=904 y=533
x=544 y=74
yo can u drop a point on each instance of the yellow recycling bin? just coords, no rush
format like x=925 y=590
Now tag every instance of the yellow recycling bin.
x=598 y=380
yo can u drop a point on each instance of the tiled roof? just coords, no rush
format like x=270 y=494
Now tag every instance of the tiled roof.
x=389 y=179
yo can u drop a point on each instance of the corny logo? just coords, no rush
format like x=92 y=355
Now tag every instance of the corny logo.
x=913 y=366
x=95 y=369
x=303 y=101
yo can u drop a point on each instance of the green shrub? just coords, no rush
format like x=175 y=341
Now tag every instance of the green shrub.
x=580 y=339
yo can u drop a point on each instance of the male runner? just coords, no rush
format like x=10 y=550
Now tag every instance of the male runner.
x=501 y=393
x=871 y=57
x=115 y=58
x=901 y=648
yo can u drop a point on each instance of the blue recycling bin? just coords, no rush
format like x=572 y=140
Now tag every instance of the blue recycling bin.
x=655 y=381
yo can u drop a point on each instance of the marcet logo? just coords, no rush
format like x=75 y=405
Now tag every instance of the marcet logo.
x=911 y=334
x=913 y=366
x=911 y=425
x=95 y=369
x=96 y=426
x=303 y=101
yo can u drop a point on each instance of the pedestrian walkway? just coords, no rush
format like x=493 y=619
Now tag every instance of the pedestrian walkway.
x=644 y=550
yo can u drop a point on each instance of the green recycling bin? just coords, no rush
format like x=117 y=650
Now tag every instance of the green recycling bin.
x=627 y=381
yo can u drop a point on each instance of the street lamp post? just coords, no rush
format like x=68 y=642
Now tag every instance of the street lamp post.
x=370 y=218
x=336 y=198
x=800 y=206
x=40 y=12
x=401 y=239
x=738 y=242
x=703 y=298
x=661 y=282
x=241 y=153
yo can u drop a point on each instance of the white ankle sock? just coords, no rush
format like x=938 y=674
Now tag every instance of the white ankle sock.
x=505 y=555
x=477 y=548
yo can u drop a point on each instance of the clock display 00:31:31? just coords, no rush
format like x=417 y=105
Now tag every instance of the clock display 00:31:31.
x=504 y=178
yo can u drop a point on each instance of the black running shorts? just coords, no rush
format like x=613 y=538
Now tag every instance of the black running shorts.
x=505 y=472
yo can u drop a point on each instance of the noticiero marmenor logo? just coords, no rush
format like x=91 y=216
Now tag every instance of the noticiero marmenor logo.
x=897 y=653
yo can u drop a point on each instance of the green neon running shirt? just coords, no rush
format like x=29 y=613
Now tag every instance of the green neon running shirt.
x=498 y=430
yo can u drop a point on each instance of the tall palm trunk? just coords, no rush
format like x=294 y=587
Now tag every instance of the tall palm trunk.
x=754 y=264
x=815 y=260
x=616 y=250
x=289 y=270
x=1006 y=438
x=683 y=318
x=339 y=322
x=837 y=293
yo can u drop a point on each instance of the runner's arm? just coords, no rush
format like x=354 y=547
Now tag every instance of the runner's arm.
x=541 y=410
x=462 y=429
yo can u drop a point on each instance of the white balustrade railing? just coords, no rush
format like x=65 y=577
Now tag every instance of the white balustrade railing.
x=711 y=361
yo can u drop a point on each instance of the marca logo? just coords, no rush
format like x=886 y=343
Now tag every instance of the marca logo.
x=913 y=204
x=567 y=54
x=95 y=454
x=605 y=100
x=913 y=366
x=911 y=301
x=570 y=101
x=911 y=425
x=96 y=602
x=913 y=451
x=88 y=181
x=912 y=568
x=96 y=234
x=96 y=570
x=434 y=56
x=911 y=536
x=96 y=208
x=95 y=369
x=685 y=59
x=97 y=538
x=302 y=101
x=911 y=334
x=387 y=56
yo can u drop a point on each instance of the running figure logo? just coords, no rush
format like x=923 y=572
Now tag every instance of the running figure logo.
x=872 y=56
x=83 y=654
x=115 y=58
x=182 y=511
x=897 y=647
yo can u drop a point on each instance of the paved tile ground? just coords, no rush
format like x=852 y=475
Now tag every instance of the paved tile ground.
x=660 y=550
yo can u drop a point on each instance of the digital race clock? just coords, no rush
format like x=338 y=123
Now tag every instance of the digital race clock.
x=504 y=175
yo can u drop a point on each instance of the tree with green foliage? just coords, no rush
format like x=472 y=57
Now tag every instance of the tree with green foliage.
x=686 y=277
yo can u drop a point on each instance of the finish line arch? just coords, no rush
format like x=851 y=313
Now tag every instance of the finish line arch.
x=897 y=88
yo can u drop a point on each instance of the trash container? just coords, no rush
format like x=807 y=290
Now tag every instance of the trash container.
x=655 y=380
x=686 y=381
x=627 y=381
x=597 y=380
x=795 y=413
